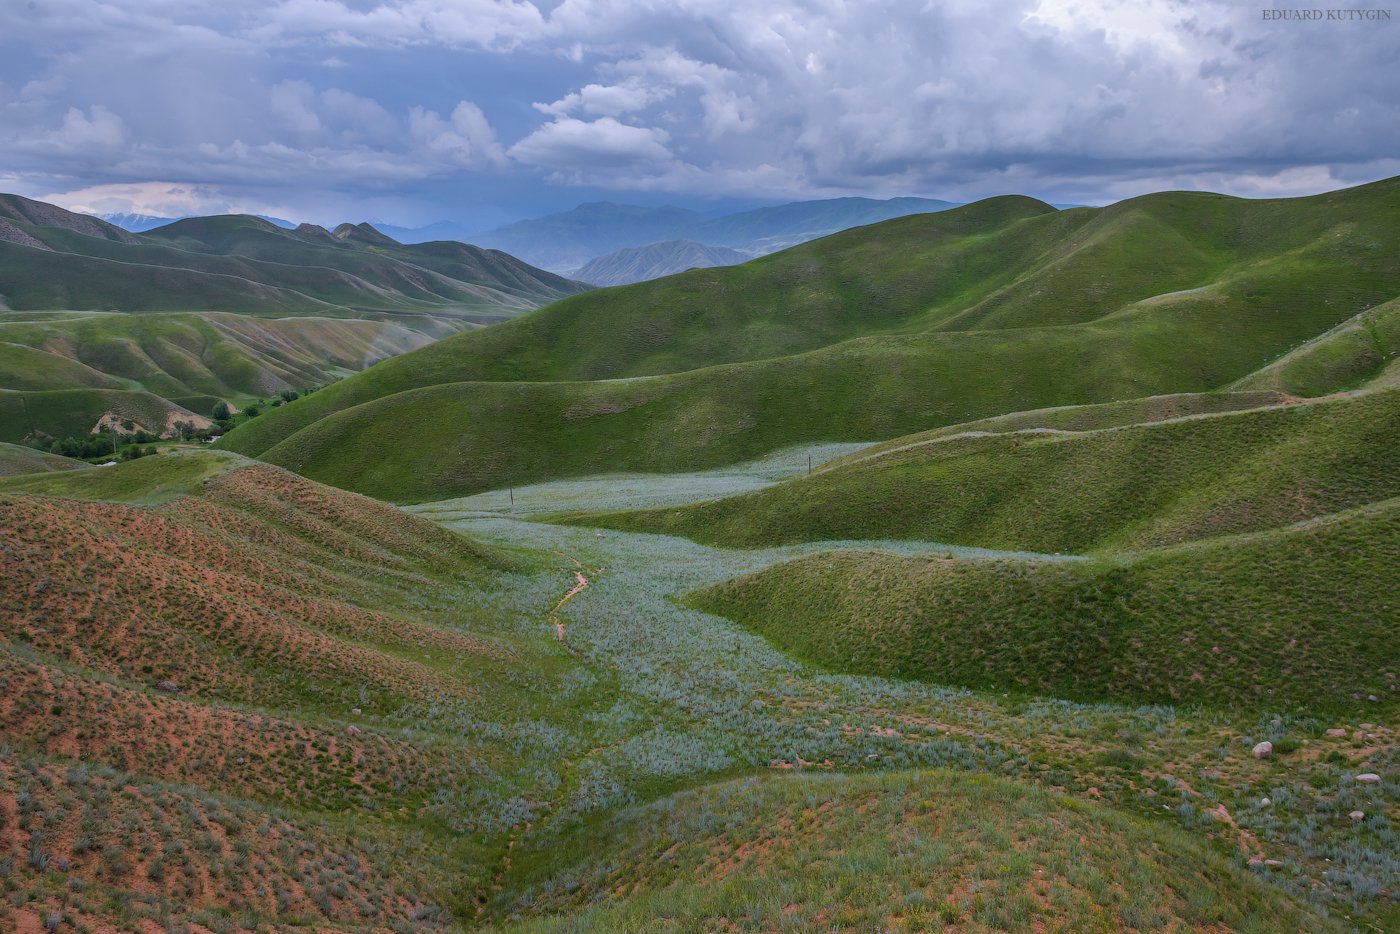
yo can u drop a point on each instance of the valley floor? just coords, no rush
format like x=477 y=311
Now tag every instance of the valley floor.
x=698 y=699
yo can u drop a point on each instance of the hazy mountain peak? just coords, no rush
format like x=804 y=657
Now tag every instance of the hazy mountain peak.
x=654 y=260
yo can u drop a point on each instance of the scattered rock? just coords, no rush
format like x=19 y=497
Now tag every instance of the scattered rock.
x=167 y=687
x=1357 y=815
x=1337 y=732
x=1273 y=862
x=1256 y=861
x=1263 y=750
x=1265 y=802
x=1368 y=726
x=355 y=711
x=352 y=730
x=1368 y=778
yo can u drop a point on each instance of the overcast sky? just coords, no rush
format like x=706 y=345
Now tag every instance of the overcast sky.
x=481 y=111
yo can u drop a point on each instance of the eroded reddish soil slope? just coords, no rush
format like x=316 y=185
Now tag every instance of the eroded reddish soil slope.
x=196 y=696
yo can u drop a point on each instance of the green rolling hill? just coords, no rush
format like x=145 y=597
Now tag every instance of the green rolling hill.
x=212 y=308
x=1302 y=616
x=916 y=323
x=1363 y=351
x=1051 y=490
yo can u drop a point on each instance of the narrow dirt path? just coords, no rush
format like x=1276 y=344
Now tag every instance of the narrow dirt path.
x=574 y=592
x=482 y=899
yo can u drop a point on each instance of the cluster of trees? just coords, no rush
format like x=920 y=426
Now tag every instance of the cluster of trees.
x=105 y=444
x=223 y=415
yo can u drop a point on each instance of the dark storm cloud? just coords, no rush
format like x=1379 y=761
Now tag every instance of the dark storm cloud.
x=423 y=108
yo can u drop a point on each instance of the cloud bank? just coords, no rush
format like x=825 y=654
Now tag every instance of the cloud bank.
x=423 y=108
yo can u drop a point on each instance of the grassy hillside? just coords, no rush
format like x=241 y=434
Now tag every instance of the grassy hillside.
x=51 y=259
x=64 y=372
x=1129 y=487
x=15 y=460
x=1302 y=617
x=905 y=852
x=175 y=355
x=64 y=413
x=913 y=324
x=1362 y=351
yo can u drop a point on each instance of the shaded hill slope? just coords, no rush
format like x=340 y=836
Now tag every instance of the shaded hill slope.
x=1300 y=617
x=16 y=460
x=655 y=260
x=920 y=322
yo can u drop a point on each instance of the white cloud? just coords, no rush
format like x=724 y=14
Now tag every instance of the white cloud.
x=608 y=100
x=465 y=139
x=96 y=129
x=569 y=145
x=159 y=199
x=497 y=24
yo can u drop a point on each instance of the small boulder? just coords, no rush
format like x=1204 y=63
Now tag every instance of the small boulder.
x=1368 y=778
x=1337 y=732
x=355 y=711
x=1357 y=815
x=1265 y=802
x=167 y=687
x=352 y=730
x=1263 y=750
